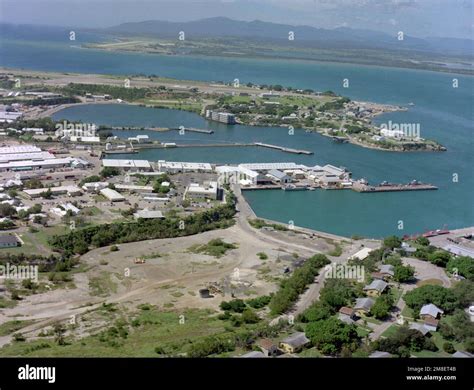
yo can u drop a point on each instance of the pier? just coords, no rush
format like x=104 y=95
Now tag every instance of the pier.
x=163 y=129
x=389 y=187
x=193 y=130
x=283 y=149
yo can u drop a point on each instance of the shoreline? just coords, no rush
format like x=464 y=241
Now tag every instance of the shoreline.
x=55 y=110
x=60 y=79
x=340 y=61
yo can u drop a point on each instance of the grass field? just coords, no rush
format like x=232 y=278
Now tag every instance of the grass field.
x=147 y=330
x=390 y=331
x=10 y=327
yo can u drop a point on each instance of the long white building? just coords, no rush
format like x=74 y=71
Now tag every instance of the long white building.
x=178 y=166
x=127 y=165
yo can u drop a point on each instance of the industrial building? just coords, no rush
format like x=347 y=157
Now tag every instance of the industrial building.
x=140 y=139
x=36 y=164
x=133 y=188
x=19 y=149
x=60 y=190
x=196 y=191
x=127 y=165
x=95 y=186
x=29 y=157
x=279 y=176
x=270 y=166
x=34 y=156
x=112 y=195
x=237 y=174
x=9 y=116
x=34 y=130
x=176 y=167
x=149 y=214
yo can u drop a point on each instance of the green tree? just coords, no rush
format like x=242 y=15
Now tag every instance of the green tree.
x=337 y=293
x=440 y=258
x=331 y=335
x=422 y=241
x=236 y=305
x=316 y=312
x=59 y=332
x=250 y=317
x=392 y=242
x=109 y=172
x=7 y=210
x=462 y=265
x=382 y=306
x=403 y=273
x=440 y=296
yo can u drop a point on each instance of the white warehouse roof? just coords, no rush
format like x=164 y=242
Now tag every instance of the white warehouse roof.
x=117 y=163
x=19 y=149
x=111 y=194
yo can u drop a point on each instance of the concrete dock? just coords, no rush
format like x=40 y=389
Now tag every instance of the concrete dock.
x=193 y=130
x=283 y=149
x=393 y=187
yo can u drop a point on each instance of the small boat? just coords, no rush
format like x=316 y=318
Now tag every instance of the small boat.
x=411 y=104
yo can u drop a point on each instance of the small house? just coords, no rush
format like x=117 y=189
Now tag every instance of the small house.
x=387 y=270
x=268 y=347
x=363 y=306
x=420 y=328
x=294 y=343
x=376 y=288
x=8 y=241
x=346 y=315
x=430 y=311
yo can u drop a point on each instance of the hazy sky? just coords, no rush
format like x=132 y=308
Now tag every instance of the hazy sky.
x=446 y=18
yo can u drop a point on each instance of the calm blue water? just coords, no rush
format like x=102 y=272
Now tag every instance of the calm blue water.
x=444 y=113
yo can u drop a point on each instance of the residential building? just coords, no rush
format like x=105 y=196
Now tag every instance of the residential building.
x=268 y=347
x=294 y=343
x=363 y=305
x=376 y=288
x=430 y=311
x=223 y=117
x=420 y=328
x=8 y=241
x=387 y=270
x=347 y=315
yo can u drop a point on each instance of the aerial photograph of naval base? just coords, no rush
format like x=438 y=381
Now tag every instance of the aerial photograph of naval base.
x=296 y=184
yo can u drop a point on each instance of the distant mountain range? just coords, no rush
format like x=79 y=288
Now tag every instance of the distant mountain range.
x=339 y=38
